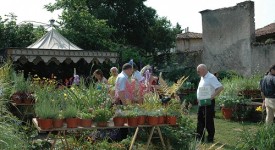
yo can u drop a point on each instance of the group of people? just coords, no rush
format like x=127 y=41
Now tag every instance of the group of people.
x=206 y=112
x=129 y=85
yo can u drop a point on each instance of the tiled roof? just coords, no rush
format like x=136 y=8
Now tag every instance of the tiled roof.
x=269 y=29
x=189 y=35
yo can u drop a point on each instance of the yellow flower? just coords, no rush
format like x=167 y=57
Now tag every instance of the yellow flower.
x=259 y=108
x=65 y=95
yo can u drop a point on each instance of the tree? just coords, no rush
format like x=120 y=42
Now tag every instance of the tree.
x=126 y=22
x=82 y=28
x=13 y=35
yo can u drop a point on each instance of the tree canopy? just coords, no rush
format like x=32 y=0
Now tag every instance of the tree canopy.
x=125 y=25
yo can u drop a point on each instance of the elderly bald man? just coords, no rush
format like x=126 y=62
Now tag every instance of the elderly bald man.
x=206 y=113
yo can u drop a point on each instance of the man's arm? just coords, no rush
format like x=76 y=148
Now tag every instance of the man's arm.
x=217 y=92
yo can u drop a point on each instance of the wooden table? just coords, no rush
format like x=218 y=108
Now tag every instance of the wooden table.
x=61 y=132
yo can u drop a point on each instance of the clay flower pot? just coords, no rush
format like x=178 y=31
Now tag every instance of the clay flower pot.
x=119 y=121
x=86 y=122
x=141 y=120
x=153 y=120
x=72 y=122
x=16 y=98
x=133 y=121
x=161 y=120
x=58 y=123
x=227 y=113
x=46 y=124
x=102 y=124
x=172 y=120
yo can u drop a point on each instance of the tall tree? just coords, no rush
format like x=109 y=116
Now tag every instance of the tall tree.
x=80 y=27
x=14 y=35
x=132 y=27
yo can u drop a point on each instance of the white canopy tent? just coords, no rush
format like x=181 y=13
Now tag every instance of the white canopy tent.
x=53 y=47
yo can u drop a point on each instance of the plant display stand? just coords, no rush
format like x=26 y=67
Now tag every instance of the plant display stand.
x=22 y=110
x=149 y=138
x=61 y=133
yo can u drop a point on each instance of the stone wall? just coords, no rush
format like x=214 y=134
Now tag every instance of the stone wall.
x=183 y=45
x=227 y=37
x=263 y=56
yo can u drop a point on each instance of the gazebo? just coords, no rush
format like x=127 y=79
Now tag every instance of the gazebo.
x=54 y=54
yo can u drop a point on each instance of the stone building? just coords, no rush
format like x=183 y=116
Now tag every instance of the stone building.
x=189 y=41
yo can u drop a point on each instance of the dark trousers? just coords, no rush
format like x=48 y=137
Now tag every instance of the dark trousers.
x=206 y=120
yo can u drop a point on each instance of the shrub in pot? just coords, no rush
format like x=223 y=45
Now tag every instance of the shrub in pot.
x=173 y=111
x=45 y=114
x=20 y=88
x=102 y=116
x=86 y=119
x=153 y=117
x=70 y=113
x=132 y=117
x=119 y=117
x=58 y=120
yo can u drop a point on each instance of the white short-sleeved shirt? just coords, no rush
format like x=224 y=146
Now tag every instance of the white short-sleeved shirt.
x=209 y=80
x=121 y=84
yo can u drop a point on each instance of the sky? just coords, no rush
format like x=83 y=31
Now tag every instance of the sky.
x=184 y=12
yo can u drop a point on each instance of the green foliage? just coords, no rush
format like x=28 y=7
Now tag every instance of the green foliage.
x=81 y=27
x=180 y=136
x=261 y=139
x=127 y=26
x=11 y=33
x=20 y=84
x=84 y=115
x=226 y=74
x=102 y=115
x=70 y=111
x=11 y=136
x=173 y=108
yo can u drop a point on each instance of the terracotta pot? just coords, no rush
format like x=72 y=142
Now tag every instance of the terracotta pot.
x=141 y=120
x=133 y=121
x=172 y=120
x=161 y=120
x=227 y=113
x=16 y=98
x=78 y=121
x=27 y=101
x=46 y=124
x=102 y=124
x=119 y=121
x=85 y=122
x=58 y=123
x=152 y=120
x=71 y=122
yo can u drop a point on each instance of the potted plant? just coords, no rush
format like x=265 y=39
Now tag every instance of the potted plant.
x=58 y=119
x=153 y=117
x=119 y=117
x=142 y=116
x=70 y=113
x=161 y=115
x=173 y=111
x=102 y=116
x=45 y=114
x=132 y=117
x=227 y=102
x=86 y=119
x=20 y=88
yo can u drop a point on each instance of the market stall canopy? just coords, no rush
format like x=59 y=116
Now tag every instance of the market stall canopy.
x=53 y=47
x=54 y=40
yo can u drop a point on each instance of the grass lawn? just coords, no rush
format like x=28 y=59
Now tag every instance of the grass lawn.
x=228 y=132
